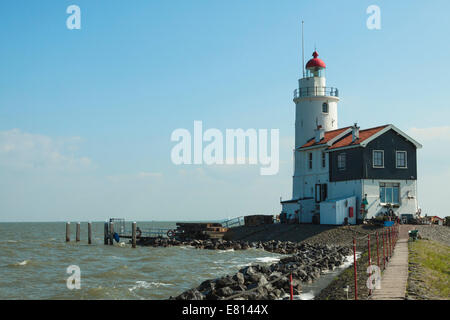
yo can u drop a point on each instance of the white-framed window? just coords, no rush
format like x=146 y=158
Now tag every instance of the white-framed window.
x=324 y=160
x=378 y=159
x=390 y=193
x=342 y=161
x=325 y=107
x=310 y=160
x=401 y=160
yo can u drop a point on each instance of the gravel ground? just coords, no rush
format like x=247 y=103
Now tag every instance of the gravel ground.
x=434 y=232
x=309 y=233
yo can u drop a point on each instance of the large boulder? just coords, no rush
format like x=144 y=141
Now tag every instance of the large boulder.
x=192 y=294
x=225 y=292
x=239 y=278
x=225 y=282
x=248 y=271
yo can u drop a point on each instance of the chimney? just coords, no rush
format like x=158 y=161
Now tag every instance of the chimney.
x=355 y=132
x=320 y=133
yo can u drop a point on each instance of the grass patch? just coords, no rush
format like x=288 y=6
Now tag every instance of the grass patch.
x=429 y=270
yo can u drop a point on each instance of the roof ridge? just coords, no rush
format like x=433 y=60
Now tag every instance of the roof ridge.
x=383 y=126
x=338 y=129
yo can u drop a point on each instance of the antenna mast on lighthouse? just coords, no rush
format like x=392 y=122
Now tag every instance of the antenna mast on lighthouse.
x=303 y=51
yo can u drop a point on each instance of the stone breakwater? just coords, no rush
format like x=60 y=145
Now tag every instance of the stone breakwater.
x=271 y=282
x=281 y=247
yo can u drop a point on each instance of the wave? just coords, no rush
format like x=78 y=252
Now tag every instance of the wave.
x=148 y=285
x=305 y=296
x=267 y=259
x=10 y=241
x=23 y=263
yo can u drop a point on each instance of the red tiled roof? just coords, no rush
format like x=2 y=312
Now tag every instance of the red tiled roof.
x=363 y=135
x=329 y=135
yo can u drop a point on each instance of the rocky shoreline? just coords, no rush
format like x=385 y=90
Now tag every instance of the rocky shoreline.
x=268 y=282
x=281 y=247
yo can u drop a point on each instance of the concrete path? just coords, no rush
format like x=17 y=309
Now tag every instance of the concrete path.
x=395 y=277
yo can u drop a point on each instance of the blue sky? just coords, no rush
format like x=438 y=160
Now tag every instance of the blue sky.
x=86 y=115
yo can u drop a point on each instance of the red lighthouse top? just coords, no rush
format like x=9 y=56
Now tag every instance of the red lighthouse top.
x=315 y=62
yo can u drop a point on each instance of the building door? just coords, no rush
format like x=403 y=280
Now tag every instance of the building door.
x=321 y=192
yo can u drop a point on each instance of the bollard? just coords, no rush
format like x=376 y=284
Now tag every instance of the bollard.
x=378 y=253
x=105 y=233
x=78 y=232
x=67 y=231
x=111 y=233
x=133 y=234
x=292 y=288
x=89 y=232
x=355 y=272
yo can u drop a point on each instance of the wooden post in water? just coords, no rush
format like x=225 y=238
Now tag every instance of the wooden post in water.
x=105 y=234
x=133 y=235
x=89 y=232
x=67 y=231
x=111 y=233
x=78 y=232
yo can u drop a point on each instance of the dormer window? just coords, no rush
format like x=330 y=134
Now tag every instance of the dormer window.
x=378 y=158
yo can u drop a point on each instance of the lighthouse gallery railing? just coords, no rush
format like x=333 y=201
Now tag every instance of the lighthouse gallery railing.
x=316 y=91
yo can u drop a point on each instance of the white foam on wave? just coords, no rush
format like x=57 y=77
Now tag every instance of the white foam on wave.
x=148 y=285
x=267 y=259
x=223 y=251
x=23 y=263
x=186 y=247
x=305 y=296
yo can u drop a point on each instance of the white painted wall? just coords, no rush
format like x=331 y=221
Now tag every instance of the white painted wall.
x=342 y=189
x=307 y=208
x=407 y=205
x=304 y=178
x=334 y=211
x=289 y=209
x=309 y=110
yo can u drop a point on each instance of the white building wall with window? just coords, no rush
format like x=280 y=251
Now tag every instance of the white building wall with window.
x=306 y=177
x=407 y=202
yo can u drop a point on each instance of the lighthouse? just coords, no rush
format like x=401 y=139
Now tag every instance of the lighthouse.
x=315 y=103
x=315 y=113
x=346 y=175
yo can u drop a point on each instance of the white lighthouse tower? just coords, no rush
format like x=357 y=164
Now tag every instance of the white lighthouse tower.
x=315 y=113
x=315 y=103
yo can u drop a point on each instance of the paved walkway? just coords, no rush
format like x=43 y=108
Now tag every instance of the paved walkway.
x=395 y=277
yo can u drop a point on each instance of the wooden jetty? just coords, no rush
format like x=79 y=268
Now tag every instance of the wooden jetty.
x=256 y=220
x=200 y=231
x=115 y=229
